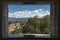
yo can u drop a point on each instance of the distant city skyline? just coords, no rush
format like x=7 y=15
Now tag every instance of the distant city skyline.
x=26 y=11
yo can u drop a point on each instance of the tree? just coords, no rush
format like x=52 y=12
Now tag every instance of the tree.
x=17 y=31
x=28 y=28
x=45 y=25
x=17 y=21
x=35 y=22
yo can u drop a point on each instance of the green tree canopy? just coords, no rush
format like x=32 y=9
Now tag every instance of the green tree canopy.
x=28 y=28
x=45 y=24
x=35 y=22
x=17 y=31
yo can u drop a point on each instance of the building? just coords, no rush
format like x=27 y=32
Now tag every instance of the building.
x=17 y=25
x=13 y=26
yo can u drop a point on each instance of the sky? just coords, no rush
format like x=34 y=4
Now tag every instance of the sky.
x=26 y=11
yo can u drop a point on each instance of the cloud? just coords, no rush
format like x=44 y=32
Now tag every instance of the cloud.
x=26 y=14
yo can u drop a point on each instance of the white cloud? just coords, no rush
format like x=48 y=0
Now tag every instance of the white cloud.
x=26 y=14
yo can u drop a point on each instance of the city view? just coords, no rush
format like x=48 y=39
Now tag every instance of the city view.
x=28 y=19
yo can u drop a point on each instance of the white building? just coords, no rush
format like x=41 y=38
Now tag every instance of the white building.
x=18 y=25
x=15 y=25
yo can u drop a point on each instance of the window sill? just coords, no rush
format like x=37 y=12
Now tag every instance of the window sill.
x=29 y=35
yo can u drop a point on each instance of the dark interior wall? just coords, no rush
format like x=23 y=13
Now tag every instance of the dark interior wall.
x=56 y=18
x=58 y=7
x=56 y=4
x=0 y=20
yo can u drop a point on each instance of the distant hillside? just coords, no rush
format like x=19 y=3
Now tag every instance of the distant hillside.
x=19 y=19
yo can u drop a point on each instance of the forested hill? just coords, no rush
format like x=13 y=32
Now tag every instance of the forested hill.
x=18 y=19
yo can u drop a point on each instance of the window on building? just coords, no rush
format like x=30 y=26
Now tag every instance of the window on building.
x=36 y=19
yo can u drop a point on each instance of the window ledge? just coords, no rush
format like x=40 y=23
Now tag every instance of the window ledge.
x=29 y=35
